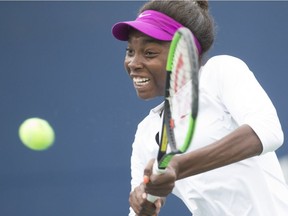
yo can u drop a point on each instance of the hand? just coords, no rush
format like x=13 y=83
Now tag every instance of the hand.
x=140 y=205
x=160 y=184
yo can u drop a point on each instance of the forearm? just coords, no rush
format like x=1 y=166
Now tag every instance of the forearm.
x=240 y=144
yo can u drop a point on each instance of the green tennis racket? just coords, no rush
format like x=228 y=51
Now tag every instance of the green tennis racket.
x=181 y=100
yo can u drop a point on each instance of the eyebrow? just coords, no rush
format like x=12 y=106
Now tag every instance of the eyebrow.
x=147 y=40
x=151 y=40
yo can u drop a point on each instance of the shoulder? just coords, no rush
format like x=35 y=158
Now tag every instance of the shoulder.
x=223 y=74
x=225 y=67
x=224 y=62
x=153 y=115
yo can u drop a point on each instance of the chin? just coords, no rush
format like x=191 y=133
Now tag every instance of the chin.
x=147 y=97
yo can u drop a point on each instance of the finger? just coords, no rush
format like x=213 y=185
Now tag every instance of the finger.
x=159 y=189
x=146 y=179
x=133 y=203
x=136 y=198
x=148 y=208
x=158 y=205
x=166 y=177
x=148 y=170
x=159 y=192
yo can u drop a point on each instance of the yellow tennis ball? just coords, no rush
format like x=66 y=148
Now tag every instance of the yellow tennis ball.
x=36 y=134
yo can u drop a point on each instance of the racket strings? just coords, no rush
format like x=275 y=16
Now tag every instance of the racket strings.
x=180 y=92
x=181 y=96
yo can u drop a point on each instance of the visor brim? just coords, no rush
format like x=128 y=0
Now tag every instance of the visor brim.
x=121 y=30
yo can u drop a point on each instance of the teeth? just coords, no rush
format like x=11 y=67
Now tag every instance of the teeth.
x=139 y=81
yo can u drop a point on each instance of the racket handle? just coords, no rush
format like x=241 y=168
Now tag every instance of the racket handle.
x=152 y=198
x=157 y=171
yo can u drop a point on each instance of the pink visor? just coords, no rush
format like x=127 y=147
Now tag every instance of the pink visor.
x=152 y=23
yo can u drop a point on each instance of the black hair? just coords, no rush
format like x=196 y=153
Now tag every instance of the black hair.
x=192 y=14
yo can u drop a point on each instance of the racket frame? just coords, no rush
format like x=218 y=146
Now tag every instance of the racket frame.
x=167 y=133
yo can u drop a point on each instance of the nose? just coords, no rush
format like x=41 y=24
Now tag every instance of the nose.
x=134 y=62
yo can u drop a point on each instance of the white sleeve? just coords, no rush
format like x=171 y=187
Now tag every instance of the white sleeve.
x=137 y=165
x=144 y=148
x=137 y=161
x=248 y=103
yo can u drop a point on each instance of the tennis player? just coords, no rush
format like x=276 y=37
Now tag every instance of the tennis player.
x=231 y=168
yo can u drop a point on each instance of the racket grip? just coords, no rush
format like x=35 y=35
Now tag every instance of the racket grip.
x=152 y=198
x=157 y=171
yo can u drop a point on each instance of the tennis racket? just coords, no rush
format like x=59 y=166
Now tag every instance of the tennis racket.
x=181 y=100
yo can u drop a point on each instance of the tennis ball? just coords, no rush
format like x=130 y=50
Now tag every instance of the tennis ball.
x=36 y=134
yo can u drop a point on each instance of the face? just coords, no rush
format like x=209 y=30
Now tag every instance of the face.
x=145 y=62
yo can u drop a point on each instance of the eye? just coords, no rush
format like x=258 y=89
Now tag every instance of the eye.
x=150 y=54
x=129 y=52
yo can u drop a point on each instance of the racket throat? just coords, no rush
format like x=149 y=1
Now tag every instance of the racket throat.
x=165 y=160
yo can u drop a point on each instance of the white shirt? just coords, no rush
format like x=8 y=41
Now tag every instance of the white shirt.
x=230 y=96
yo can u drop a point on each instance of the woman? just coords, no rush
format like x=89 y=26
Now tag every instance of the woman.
x=231 y=167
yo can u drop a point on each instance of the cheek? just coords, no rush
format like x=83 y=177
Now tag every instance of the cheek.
x=162 y=75
x=125 y=63
x=161 y=79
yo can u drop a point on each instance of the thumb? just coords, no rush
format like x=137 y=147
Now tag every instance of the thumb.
x=159 y=203
x=148 y=171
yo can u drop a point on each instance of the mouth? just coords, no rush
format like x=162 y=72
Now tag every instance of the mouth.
x=140 y=81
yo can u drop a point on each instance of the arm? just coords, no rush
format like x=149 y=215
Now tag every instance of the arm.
x=238 y=145
x=232 y=84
